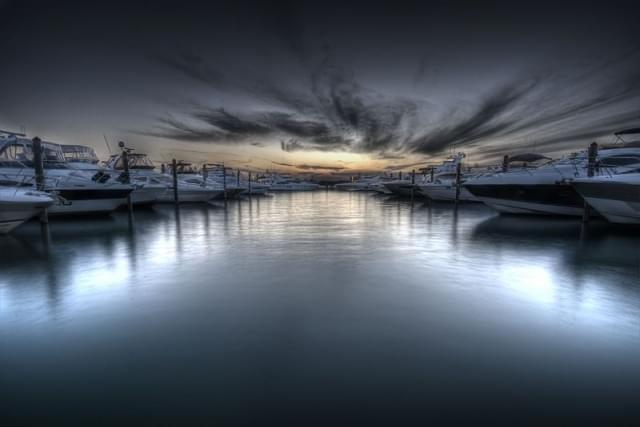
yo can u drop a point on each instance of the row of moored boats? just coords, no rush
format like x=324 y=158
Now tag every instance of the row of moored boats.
x=533 y=184
x=75 y=182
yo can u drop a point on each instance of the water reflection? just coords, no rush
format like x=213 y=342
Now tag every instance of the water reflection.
x=365 y=297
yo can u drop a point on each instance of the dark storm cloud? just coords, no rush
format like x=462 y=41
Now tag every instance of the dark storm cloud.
x=389 y=79
x=336 y=113
x=485 y=122
x=233 y=125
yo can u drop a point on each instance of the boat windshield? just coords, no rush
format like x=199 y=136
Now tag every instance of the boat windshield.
x=20 y=154
x=79 y=153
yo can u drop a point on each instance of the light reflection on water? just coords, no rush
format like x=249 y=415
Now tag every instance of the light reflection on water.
x=316 y=302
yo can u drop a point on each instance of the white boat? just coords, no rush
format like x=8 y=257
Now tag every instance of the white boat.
x=615 y=197
x=547 y=189
x=84 y=158
x=287 y=183
x=365 y=183
x=142 y=172
x=443 y=186
x=402 y=188
x=75 y=191
x=19 y=204
x=235 y=184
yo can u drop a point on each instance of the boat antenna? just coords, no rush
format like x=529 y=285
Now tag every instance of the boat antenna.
x=107 y=142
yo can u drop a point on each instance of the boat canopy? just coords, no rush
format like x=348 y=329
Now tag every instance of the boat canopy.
x=19 y=152
x=136 y=161
x=80 y=153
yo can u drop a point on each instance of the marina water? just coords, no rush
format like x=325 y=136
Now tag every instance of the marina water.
x=331 y=305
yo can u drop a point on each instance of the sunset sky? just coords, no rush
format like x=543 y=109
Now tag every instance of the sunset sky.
x=319 y=87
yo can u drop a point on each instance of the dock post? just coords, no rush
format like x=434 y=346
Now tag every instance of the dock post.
x=413 y=184
x=505 y=163
x=432 y=174
x=591 y=170
x=458 y=182
x=205 y=175
x=38 y=164
x=174 y=172
x=400 y=175
x=127 y=176
x=238 y=179
x=224 y=182
x=163 y=169
x=249 y=183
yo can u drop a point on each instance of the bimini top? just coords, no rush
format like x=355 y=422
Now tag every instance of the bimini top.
x=80 y=153
x=136 y=161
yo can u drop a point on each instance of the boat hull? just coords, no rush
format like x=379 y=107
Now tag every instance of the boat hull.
x=539 y=199
x=146 y=195
x=190 y=196
x=19 y=205
x=11 y=217
x=445 y=193
x=87 y=201
x=403 y=190
x=617 y=202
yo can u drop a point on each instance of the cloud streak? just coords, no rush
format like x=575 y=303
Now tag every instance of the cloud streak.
x=337 y=113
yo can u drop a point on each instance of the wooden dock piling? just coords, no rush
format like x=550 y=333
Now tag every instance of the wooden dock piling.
x=127 y=175
x=458 y=182
x=174 y=172
x=592 y=157
x=38 y=164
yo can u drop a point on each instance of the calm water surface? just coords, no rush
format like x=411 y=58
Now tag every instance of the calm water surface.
x=325 y=305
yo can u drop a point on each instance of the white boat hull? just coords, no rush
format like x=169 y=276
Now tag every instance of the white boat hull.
x=616 y=211
x=86 y=207
x=446 y=193
x=530 y=208
x=18 y=205
x=190 y=196
x=11 y=217
x=147 y=195
x=615 y=198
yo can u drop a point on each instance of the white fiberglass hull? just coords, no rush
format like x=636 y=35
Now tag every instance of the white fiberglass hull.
x=88 y=200
x=294 y=187
x=20 y=205
x=529 y=208
x=616 y=198
x=445 y=192
x=147 y=195
x=190 y=195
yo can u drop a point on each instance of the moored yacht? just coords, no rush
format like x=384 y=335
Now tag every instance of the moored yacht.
x=287 y=183
x=401 y=187
x=75 y=191
x=365 y=183
x=19 y=204
x=615 y=197
x=233 y=186
x=547 y=189
x=142 y=172
x=84 y=158
x=443 y=186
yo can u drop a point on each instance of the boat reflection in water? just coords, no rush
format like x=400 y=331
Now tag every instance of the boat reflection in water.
x=304 y=304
